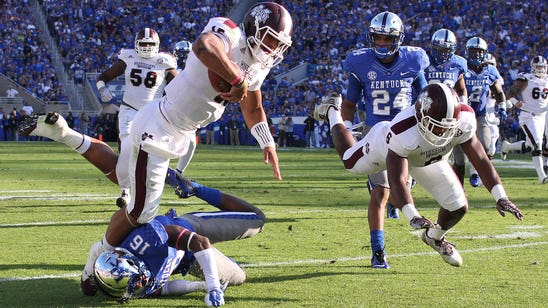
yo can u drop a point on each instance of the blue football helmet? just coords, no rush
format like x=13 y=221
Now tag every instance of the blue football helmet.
x=121 y=275
x=476 y=49
x=443 y=44
x=386 y=23
x=181 y=51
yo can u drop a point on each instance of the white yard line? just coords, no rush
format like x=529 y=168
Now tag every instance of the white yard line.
x=296 y=262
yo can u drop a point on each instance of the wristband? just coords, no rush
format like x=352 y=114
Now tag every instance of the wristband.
x=189 y=239
x=237 y=80
x=498 y=192
x=464 y=100
x=241 y=84
x=262 y=134
x=100 y=84
x=512 y=101
x=348 y=124
x=178 y=238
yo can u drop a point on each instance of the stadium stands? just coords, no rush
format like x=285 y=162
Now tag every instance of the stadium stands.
x=88 y=36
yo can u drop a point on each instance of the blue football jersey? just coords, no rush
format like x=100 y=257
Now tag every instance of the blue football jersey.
x=385 y=89
x=149 y=243
x=448 y=72
x=477 y=85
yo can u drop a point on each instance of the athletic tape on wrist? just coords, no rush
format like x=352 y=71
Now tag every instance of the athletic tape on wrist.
x=262 y=134
x=189 y=239
x=498 y=192
x=100 y=84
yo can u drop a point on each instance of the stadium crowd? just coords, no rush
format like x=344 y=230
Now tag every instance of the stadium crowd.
x=89 y=36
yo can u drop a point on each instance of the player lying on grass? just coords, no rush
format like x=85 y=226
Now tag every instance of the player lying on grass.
x=237 y=218
x=417 y=142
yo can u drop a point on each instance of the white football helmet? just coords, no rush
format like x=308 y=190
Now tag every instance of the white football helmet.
x=264 y=22
x=476 y=49
x=386 y=23
x=443 y=44
x=437 y=111
x=121 y=275
x=147 y=43
x=539 y=66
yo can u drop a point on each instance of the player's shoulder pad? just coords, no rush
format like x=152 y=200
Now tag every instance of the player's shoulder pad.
x=126 y=53
x=460 y=61
x=224 y=28
x=166 y=59
x=413 y=54
x=355 y=56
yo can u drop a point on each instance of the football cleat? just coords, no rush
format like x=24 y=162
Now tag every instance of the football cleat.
x=50 y=125
x=88 y=286
x=392 y=211
x=444 y=248
x=475 y=180
x=544 y=181
x=334 y=100
x=215 y=298
x=379 y=260
x=181 y=185
x=123 y=200
x=504 y=150
x=421 y=222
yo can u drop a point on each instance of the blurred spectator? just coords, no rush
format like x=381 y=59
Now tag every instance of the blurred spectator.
x=11 y=92
x=27 y=108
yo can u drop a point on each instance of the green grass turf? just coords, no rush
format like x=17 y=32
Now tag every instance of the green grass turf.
x=314 y=251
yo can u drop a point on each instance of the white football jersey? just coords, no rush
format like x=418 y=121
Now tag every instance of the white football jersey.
x=404 y=139
x=145 y=77
x=191 y=101
x=535 y=94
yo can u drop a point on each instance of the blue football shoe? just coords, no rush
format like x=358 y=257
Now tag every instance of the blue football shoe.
x=379 y=260
x=181 y=185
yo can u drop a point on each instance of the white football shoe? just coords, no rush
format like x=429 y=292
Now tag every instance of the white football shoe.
x=504 y=149
x=444 y=248
x=333 y=101
x=51 y=125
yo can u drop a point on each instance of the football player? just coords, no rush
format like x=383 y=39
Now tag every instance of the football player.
x=493 y=121
x=417 y=142
x=161 y=130
x=482 y=80
x=387 y=76
x=449 y=68
x=146 y=71
x=533 y=89
x=239 y=219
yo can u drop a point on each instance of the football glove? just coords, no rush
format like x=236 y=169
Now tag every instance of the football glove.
x=505 y=205
x=215 y=298
x=105 y=93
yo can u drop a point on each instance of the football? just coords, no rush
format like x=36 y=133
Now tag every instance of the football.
x=219 y=84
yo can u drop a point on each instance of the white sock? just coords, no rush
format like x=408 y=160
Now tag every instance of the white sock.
x=207 y=262
x=436 y=233
x=537 y=163
x=409 y=211
x=180 y=287
x=106 y=244
x=334 y=117
x=95 y=250
x=76 y=141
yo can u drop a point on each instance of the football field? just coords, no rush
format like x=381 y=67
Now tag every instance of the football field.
x=314 y=250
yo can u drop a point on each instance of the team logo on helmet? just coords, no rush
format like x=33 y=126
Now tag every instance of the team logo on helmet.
x=261 y=13
x=425 y=101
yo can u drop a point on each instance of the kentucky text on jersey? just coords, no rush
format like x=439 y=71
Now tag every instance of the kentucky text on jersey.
x=477 y=82
x=386 y=84
x=441 y=75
